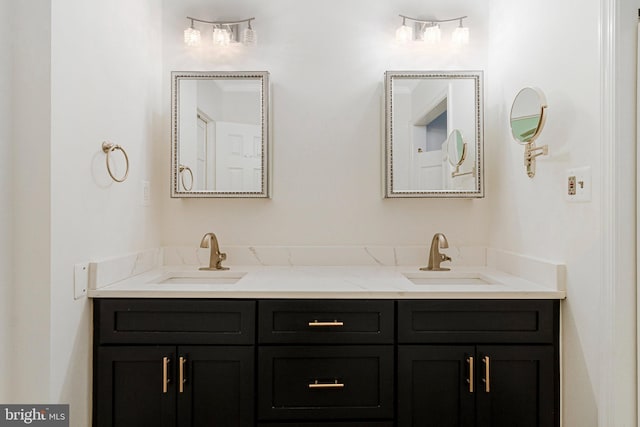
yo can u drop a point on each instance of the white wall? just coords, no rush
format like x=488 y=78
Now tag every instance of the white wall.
x=561 y=55
x=6 y=191
x=105 y=80
x=29 y=376
x=327 y=66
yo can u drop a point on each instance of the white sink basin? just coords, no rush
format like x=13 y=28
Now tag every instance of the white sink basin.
x=448 y=278
x=224 y=277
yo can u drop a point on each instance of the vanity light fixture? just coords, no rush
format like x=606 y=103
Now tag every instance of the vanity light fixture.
x=404 y=34
x=429 y=32
x=192 y=36
x=224 y=32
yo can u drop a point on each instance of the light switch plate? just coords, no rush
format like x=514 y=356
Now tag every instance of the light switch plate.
x=578 y=184
x=80 y=280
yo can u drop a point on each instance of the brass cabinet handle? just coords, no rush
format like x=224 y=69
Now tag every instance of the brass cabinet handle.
x=165 y=374
x=182 y=379
x=487 y=374
x=334 y=323
x=470 y=379
x=317 y=384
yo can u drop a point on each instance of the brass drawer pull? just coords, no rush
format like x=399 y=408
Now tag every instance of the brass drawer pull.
x=470 y=379
x=334 y=385
x=334 y=323
x=182 y=379
x=165 y=374
x=487 y=374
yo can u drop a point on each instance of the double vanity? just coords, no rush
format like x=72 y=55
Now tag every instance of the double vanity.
x=347 y=346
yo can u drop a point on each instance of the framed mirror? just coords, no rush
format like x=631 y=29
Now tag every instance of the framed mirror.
x=220 y=134
x=434 y=134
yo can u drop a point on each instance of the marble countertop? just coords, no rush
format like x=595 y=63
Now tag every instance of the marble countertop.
x=348 y=282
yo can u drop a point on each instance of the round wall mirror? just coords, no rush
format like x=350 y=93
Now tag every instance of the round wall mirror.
x=527 y=115
x=456 y=148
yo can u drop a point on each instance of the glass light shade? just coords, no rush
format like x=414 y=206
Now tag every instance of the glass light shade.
x=221 y=37
x=460 y=36
x=404 y=34
x=249 y=37
x=432 y=34
x=191 y=37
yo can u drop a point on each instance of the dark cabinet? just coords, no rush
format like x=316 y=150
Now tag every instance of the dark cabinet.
x=325 y=382
x=326 y=322
x=129 y=387
x=174 y=385
x=433 y=387
x=520 y=389
x=218 y=387
x=317 y=363
x=483 y=386
x=326 y=362
x=478 y=364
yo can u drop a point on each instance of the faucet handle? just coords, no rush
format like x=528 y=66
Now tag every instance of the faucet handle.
x=223 y=256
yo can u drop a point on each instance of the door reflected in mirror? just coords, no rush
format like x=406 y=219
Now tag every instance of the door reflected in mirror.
x=433 y=138
x=220 y=134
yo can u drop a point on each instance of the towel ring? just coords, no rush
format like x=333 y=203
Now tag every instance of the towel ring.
x=182 y=169
x=108 y=148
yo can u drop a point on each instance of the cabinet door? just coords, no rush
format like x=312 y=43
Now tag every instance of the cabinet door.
x=130 y=385
x=436 y=386
x=217 y=386
x=516 y=387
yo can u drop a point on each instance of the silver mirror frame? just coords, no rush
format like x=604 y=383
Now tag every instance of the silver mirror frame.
x=477 y=77
x=176 y=76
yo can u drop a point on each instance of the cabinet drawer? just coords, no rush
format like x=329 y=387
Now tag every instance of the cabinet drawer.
x=177 y=321
x=326 y=382
x=477 y=321
x=326 y=322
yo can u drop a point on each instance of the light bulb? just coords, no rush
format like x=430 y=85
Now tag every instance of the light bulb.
x=460 y=36
x=221 y=37
x=432 y=34
x=191 y=36
x=404 y=34
x=249 y=37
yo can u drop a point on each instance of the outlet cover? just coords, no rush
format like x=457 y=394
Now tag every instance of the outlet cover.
x=578 y=184
x=80 y=280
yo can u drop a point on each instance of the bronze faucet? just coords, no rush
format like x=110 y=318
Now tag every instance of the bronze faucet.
x=435 y=257
x=216 y=257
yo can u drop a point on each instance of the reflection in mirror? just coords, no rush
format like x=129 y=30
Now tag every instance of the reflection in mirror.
x=457 y=154
x=433 y=135
x=456 y=148
x=219 y=134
